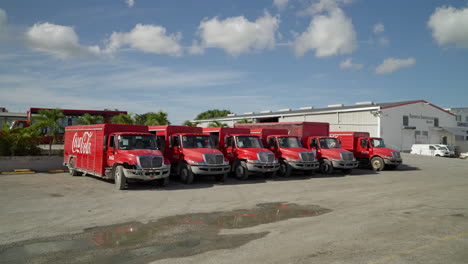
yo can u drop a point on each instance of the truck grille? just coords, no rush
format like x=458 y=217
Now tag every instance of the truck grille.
x=307 y=156
x=147 y=162
x=396 y=154
x=266 y=157
x=347 y=156
x=213 y=158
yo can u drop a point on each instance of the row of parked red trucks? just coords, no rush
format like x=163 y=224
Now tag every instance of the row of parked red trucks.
x=126 y=153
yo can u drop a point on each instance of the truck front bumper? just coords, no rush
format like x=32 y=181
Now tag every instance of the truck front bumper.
x=393 y=161
x=341 y=164
x=304 y=165
x=263 y=167
x=148 y=174
x=210 y=170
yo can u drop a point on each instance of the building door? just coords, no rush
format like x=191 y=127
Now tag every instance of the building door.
x=444 y=140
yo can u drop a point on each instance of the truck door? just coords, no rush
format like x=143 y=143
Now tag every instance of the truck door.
x=363 y=148
x=174 y=149
x=273 y=146
x=229 y=147
x=111 y=153
x=314 y=145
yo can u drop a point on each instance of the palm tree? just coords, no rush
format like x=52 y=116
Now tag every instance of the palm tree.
x=217 y=124
x=212 y=114
x=50 y=119
x=124 y=119
x=157 y=119
x=18 y=141
x=245 y=120
x=88 y=119
x=189 y=123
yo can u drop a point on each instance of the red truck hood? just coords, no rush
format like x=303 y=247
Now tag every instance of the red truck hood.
x=293 y=153
x=250 y=153
x=332 y=153
x=130 y=155
x=196 y=154
x=383 y=151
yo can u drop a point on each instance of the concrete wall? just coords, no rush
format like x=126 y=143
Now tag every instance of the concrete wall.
x=35 y=163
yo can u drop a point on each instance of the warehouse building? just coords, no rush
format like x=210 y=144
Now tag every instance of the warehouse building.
x=400 y=124
x=461 y=131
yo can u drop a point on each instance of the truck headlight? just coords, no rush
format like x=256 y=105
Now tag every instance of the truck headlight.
x=294 y=160
x=192 y=162
x=252 y=161
x=275 y=161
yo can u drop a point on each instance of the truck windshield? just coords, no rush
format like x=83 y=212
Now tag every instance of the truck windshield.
x=289 y=142
x=377 y=143
x=329 y=143
x=197 y=141
x=249 y=142
x=137 y=142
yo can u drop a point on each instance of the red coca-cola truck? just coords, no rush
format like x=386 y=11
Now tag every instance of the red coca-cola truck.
x=191 y=152
x=244 y=151
x=288 y=150
x=315 y=136
x=123 y=153
x=369 y=150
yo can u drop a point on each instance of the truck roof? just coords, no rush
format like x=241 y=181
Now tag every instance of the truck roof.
x=170 y=129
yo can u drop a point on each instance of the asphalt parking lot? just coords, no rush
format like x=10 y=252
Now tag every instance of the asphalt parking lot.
x=416 y=214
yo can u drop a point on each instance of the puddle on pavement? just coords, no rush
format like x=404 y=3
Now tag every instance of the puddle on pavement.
x=169 y=237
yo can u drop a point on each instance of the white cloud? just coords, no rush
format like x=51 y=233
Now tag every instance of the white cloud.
x=130 y=3
x=280 y=4
x=58 y=41
x=349 y=65
x=3 y=24
x=392 y=64
x=196 y=48
x=322 y=5
x=147 y=38
x=450 y=26
x=331 y=34
x=379 y=28
x=238 y=35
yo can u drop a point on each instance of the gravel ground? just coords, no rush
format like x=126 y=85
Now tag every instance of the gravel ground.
x=416 y=214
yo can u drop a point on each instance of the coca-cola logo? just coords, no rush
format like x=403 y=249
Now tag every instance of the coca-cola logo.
x=82 y=144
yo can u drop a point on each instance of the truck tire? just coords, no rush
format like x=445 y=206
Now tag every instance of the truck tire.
x=221 y=177
x=377 y=163
x=162 y=182
x=186 y=174
x=326 y=166
x=71 y=168
x=285 y=169
x=119 y=178
x=240 y=171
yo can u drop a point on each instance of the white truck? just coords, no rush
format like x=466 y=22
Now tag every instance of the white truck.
x=430 y=150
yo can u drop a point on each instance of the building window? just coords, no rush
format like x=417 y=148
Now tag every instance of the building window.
x=425 y=133
x=405 y=121
x=466 y=118
x=436 y=122
x=458 y=118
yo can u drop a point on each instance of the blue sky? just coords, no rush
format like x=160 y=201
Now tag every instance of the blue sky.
x=185 y=57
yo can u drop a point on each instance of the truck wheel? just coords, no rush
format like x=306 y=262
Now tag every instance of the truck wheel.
x=119 y=177
x=186 y=174
x=377 y=163
x=347 y=171
x=285 y=169
x=71 y=168
x=221 y=177
x=241 y=171
x=162 y=182
x=326 y=166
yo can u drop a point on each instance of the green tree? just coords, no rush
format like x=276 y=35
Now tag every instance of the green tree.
x=88 y=119
x=152 y=119
x=189 y=123
x=50 y=119
x=123 y=119
x=217 y=124
x=18 y=142
x=212 y=114
x=245 y=120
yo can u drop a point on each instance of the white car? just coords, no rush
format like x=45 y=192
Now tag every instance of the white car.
x=430 y=150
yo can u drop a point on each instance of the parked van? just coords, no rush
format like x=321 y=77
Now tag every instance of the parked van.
x=430 y=150
x=448 y=148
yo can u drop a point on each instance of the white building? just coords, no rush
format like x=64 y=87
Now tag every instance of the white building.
x=400 y=124
x=461 y=132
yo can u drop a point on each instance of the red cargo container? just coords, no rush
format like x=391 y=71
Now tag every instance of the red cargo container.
x=110 y=151
x=369 y=150
x=315 y=136
x=191 y=152
x=288 y=150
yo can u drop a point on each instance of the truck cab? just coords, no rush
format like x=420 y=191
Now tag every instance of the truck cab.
x=331 y=155
x=244 y=151
x=191 y=152
x=124 y=153
x=288 y=150
x=369 y=150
